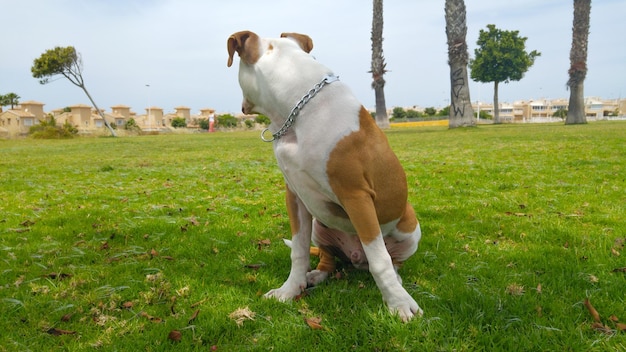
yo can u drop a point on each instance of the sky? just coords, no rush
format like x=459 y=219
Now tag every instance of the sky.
x=170 y=53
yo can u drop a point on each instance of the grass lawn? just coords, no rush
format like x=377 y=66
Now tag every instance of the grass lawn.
x=156 y=243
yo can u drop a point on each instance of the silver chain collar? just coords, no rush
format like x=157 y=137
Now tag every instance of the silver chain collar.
x=296 y=109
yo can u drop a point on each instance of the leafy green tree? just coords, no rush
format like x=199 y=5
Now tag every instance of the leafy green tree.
x=203 y=123
x=262 y=120
x=10 y=99
x=461 y=114
x=500 y=57
x=430 y=111
x=413 y=114
x=179 y=122
x=131 y=125
x=67 y=62
x=48 y=129
x=561 y=113
x=398 y=113
x=378 y=69
x=578 y=63
x=227 y=120
x=483 y=115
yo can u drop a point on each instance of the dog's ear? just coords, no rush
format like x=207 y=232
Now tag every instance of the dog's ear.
x=246 y=44
x=305 y=42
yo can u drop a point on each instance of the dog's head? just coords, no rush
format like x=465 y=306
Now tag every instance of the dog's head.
x=268 y=67
x=248 y=45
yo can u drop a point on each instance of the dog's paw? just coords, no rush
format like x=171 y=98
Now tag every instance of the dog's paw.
x=286 y=292
x=406 y=308
x=315 y=277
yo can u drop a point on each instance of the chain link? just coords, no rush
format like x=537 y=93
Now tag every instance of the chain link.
x=296 y=109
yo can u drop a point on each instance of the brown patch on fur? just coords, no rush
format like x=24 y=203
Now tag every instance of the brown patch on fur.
x=327 y=261
x=304 y=41
x=368 y=179
x=408 y=222
x=246 y=44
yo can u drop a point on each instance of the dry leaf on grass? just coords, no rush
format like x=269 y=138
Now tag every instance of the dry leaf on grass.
x=255 y=266
x=515 y=289
x=594 y=313
x=263 y=243
x=59 y=276
x=193 y=316
x=151 y=318
x=602 y=328
x=27 y=223
x=314 y=323
x=58 y=332
x=242 y=314
x=598 y=325
x=198 y=303
x=19 y=281
x=175 y=335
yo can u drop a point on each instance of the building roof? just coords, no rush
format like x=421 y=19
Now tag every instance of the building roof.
x=18 y=113
x=31 y=102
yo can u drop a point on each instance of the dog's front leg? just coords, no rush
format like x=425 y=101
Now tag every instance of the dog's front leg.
x=301 y=225
x=360 y=209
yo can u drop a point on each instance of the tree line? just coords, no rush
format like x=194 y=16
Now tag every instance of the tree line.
x=500 y=56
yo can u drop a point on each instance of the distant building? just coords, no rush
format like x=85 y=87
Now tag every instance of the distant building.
x=15 y=122
x=544 y=110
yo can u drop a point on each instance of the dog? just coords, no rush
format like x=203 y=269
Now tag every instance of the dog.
x=346 y=191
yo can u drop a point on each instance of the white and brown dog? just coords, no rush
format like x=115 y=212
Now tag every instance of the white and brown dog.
x=346 y=190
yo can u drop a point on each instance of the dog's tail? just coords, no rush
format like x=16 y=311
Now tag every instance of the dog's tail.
x=314 y=251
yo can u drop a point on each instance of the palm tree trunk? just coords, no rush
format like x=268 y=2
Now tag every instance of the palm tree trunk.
x=378 y=65
x=578 y=63
x=382 y=120
x=461 y=112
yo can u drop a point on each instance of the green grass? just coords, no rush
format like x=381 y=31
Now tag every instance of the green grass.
x=111 y=244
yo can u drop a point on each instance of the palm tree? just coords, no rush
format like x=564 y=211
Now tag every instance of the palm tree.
x=9 y=99
x=578 y=63
x=378 y=65
x=461 y=112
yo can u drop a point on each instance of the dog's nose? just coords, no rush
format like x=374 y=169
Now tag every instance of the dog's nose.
x=247 y=107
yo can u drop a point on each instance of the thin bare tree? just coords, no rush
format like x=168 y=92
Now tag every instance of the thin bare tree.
x=67 y=62
x=379 y=65
x=461 y=112
x=578 y=63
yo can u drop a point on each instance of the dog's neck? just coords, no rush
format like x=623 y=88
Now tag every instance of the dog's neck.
x=296 y=110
